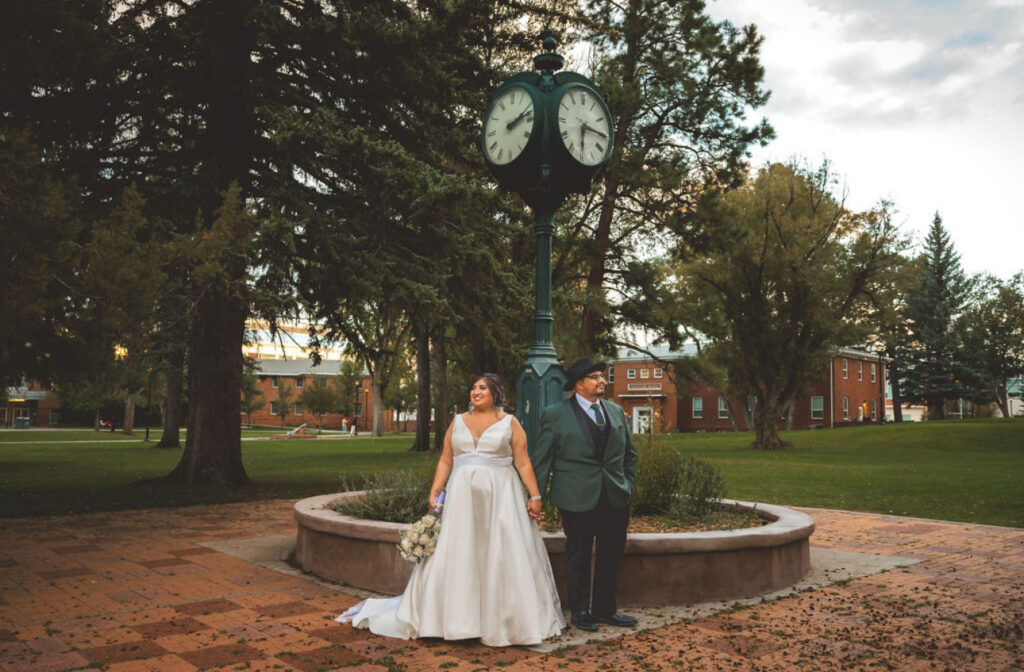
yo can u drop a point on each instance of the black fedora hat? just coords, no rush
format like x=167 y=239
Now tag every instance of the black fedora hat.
x=580 y=368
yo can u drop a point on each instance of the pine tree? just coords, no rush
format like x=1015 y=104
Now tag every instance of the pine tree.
x=937 y=366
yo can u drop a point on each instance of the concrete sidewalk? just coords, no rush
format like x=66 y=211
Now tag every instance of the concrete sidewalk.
x=149 y=590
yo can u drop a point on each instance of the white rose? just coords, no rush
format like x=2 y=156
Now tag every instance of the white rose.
x=418 y=552
x=417 y=527
x=406 y=544
x=428 y=520
x=423 y=540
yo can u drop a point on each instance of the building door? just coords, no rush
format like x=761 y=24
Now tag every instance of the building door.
x=643 y=417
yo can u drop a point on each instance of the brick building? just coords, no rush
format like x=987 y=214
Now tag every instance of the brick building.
x=273 y=374
x=29 y=405
x=851 y=391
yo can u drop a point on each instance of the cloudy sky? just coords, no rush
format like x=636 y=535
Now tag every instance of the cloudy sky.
x=917 y=101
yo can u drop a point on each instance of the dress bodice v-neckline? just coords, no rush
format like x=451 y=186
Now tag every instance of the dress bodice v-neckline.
x=476 y=439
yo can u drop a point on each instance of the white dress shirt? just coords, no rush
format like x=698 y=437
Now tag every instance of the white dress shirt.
x=585 y=404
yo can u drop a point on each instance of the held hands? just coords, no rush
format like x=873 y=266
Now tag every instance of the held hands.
x=535 y=509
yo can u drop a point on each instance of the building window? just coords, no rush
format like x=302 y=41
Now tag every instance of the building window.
x=273 y=408
x=846 y=408
x=860 y=370
x=817 y=408
x=657 y=373
x=873 y=373
x=631 y=373
x=874 y=409
x=698 y=407
x=611 y=374
x=645 y=373
x=297 y=409
x=298 y=382
x=723 y=408
x=846 y=368
x=273 y=382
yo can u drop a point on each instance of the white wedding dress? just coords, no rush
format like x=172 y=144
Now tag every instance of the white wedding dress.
x=490 y=576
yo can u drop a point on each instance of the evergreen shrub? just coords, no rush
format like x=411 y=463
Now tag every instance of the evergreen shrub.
x=393 y=497
x=669 y=483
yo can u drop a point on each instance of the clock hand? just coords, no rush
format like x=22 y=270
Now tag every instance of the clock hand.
x=594 y=130
x=512 y=124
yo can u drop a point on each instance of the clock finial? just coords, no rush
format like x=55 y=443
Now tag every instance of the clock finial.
x=548 y=63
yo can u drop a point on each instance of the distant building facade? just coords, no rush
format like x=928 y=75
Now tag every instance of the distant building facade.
x=273 y=374
x=850 y=391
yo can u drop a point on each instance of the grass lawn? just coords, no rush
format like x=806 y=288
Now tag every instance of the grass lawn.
x=970 y=470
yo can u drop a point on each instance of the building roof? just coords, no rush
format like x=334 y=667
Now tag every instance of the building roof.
x=659 y=352
x=666 y=354
x=298 y=367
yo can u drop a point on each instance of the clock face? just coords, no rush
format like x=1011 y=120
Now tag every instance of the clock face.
x=584 y=125
x=509 y=125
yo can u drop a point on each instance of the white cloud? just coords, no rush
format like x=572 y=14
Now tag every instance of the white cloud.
x=918 y=101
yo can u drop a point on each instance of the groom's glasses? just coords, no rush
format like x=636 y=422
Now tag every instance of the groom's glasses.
x=595 y=376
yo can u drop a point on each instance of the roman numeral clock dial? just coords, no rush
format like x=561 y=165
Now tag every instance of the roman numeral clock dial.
x=509 y=125
x=584 y=125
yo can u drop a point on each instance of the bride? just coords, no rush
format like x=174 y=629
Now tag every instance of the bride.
x=489 y=576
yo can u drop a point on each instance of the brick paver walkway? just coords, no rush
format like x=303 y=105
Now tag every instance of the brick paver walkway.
x=135 y=591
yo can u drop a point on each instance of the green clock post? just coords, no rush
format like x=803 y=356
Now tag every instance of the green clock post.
x=546 y=135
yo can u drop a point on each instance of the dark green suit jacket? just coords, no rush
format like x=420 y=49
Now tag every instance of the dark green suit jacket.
x=566 y=455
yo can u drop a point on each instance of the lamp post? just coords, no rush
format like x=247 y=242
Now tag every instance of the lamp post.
x=545 y=136
x=359 y=411
x=120 y=354
x=149 y=399
x=366 y=408
x=880 y=348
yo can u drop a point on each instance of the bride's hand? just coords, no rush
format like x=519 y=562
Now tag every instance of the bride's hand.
x=535 y=509
x=432 y=501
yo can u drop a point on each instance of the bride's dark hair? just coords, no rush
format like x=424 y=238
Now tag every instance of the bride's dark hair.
x=493 y=383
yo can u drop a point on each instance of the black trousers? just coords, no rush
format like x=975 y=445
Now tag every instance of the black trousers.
x=606 y=526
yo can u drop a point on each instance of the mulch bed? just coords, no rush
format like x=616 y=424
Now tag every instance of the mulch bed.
x=726 y=519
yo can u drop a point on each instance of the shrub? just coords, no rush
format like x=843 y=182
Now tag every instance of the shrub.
x=701 y=488
x=667 y=483
x=393 y=497
x=657 y=475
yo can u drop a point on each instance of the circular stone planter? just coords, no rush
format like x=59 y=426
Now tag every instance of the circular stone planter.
x=657 y=569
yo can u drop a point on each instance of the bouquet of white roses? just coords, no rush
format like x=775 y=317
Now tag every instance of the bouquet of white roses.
x=420 y=539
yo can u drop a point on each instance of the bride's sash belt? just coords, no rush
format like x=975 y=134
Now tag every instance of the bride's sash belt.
x=477 y=460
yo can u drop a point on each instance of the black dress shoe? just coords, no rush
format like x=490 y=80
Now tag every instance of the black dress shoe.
x=617 y=619
x=584 y=621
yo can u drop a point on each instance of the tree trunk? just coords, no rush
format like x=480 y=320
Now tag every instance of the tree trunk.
x=732 y=416
x=766 y=429
x=96 y=421
x=129 y=414
x=790 y=409
x=897 y=394
x=1002 y=401
x=171 y=437
x=213 y=444
x=378 y=401
x=439 y=364
x=422 y=338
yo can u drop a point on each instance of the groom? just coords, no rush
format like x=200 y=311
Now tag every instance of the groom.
x=587 y=452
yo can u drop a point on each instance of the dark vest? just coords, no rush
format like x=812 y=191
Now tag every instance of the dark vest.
x=598 y=436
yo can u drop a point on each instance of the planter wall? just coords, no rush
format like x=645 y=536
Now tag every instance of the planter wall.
x=657 y=569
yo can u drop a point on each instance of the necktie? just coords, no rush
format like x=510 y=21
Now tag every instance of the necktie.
x=598 y=415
